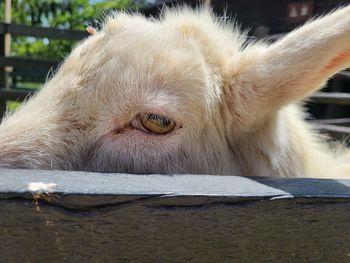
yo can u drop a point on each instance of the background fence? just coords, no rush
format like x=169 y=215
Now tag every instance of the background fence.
x=21 y=70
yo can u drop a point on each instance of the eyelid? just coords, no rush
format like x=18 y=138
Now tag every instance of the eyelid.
x=136 y=123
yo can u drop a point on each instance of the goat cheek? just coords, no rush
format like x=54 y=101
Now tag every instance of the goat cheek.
x=135 y=153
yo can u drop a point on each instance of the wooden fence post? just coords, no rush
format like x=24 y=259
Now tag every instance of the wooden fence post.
x=2 y=75
x=63 y=216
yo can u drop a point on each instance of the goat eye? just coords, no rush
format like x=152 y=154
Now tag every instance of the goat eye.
x=157 y=124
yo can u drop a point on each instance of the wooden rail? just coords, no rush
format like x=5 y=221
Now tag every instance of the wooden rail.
x=89 y=217
x=343 y=74
x=335 y=131
x=342 y=121
x=16 y=94
x=43 y=32
x=25 y=63
x=331 y=98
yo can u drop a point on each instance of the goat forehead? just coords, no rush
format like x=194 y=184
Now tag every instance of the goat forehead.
x=129 y=87
x=137 y=53
x=131 y=68
x=127 y=71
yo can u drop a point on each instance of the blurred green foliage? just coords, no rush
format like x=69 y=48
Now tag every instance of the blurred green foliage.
x=64 y=14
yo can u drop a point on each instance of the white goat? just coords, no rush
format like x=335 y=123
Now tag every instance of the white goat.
x=183 y=94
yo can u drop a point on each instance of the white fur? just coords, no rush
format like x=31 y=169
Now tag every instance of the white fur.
x=235 y=104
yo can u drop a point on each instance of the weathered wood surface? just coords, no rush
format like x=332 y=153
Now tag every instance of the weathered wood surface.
x=91 y=217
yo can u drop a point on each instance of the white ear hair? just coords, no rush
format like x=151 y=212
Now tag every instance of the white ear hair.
x=295 y=66
x=303 y=60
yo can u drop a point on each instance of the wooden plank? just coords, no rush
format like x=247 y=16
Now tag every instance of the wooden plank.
x=17 y=182
x=343 y=74
x=25 y=63
x=335 y=131
x=26 y=76
x=3 y=79
x=337 y=98
x=52 y=33
x=16 y=94
x=286 y=230
x=2 y=107
x=90 y=217
x=77 y=183
x=341 y=121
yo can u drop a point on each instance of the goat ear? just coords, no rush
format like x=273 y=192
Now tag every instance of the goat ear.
x=295 y=66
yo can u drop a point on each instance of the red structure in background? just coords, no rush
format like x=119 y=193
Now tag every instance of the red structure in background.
x=299 y=11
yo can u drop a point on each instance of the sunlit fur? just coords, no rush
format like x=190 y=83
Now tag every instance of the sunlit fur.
x=235 y=103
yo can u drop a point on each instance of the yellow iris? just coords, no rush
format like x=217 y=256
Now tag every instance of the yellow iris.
x=157 y=124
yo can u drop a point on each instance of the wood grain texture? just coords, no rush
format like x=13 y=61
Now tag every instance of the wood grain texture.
x=92 y=217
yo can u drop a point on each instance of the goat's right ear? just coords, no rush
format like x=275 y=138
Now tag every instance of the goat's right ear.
x=289 y=70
